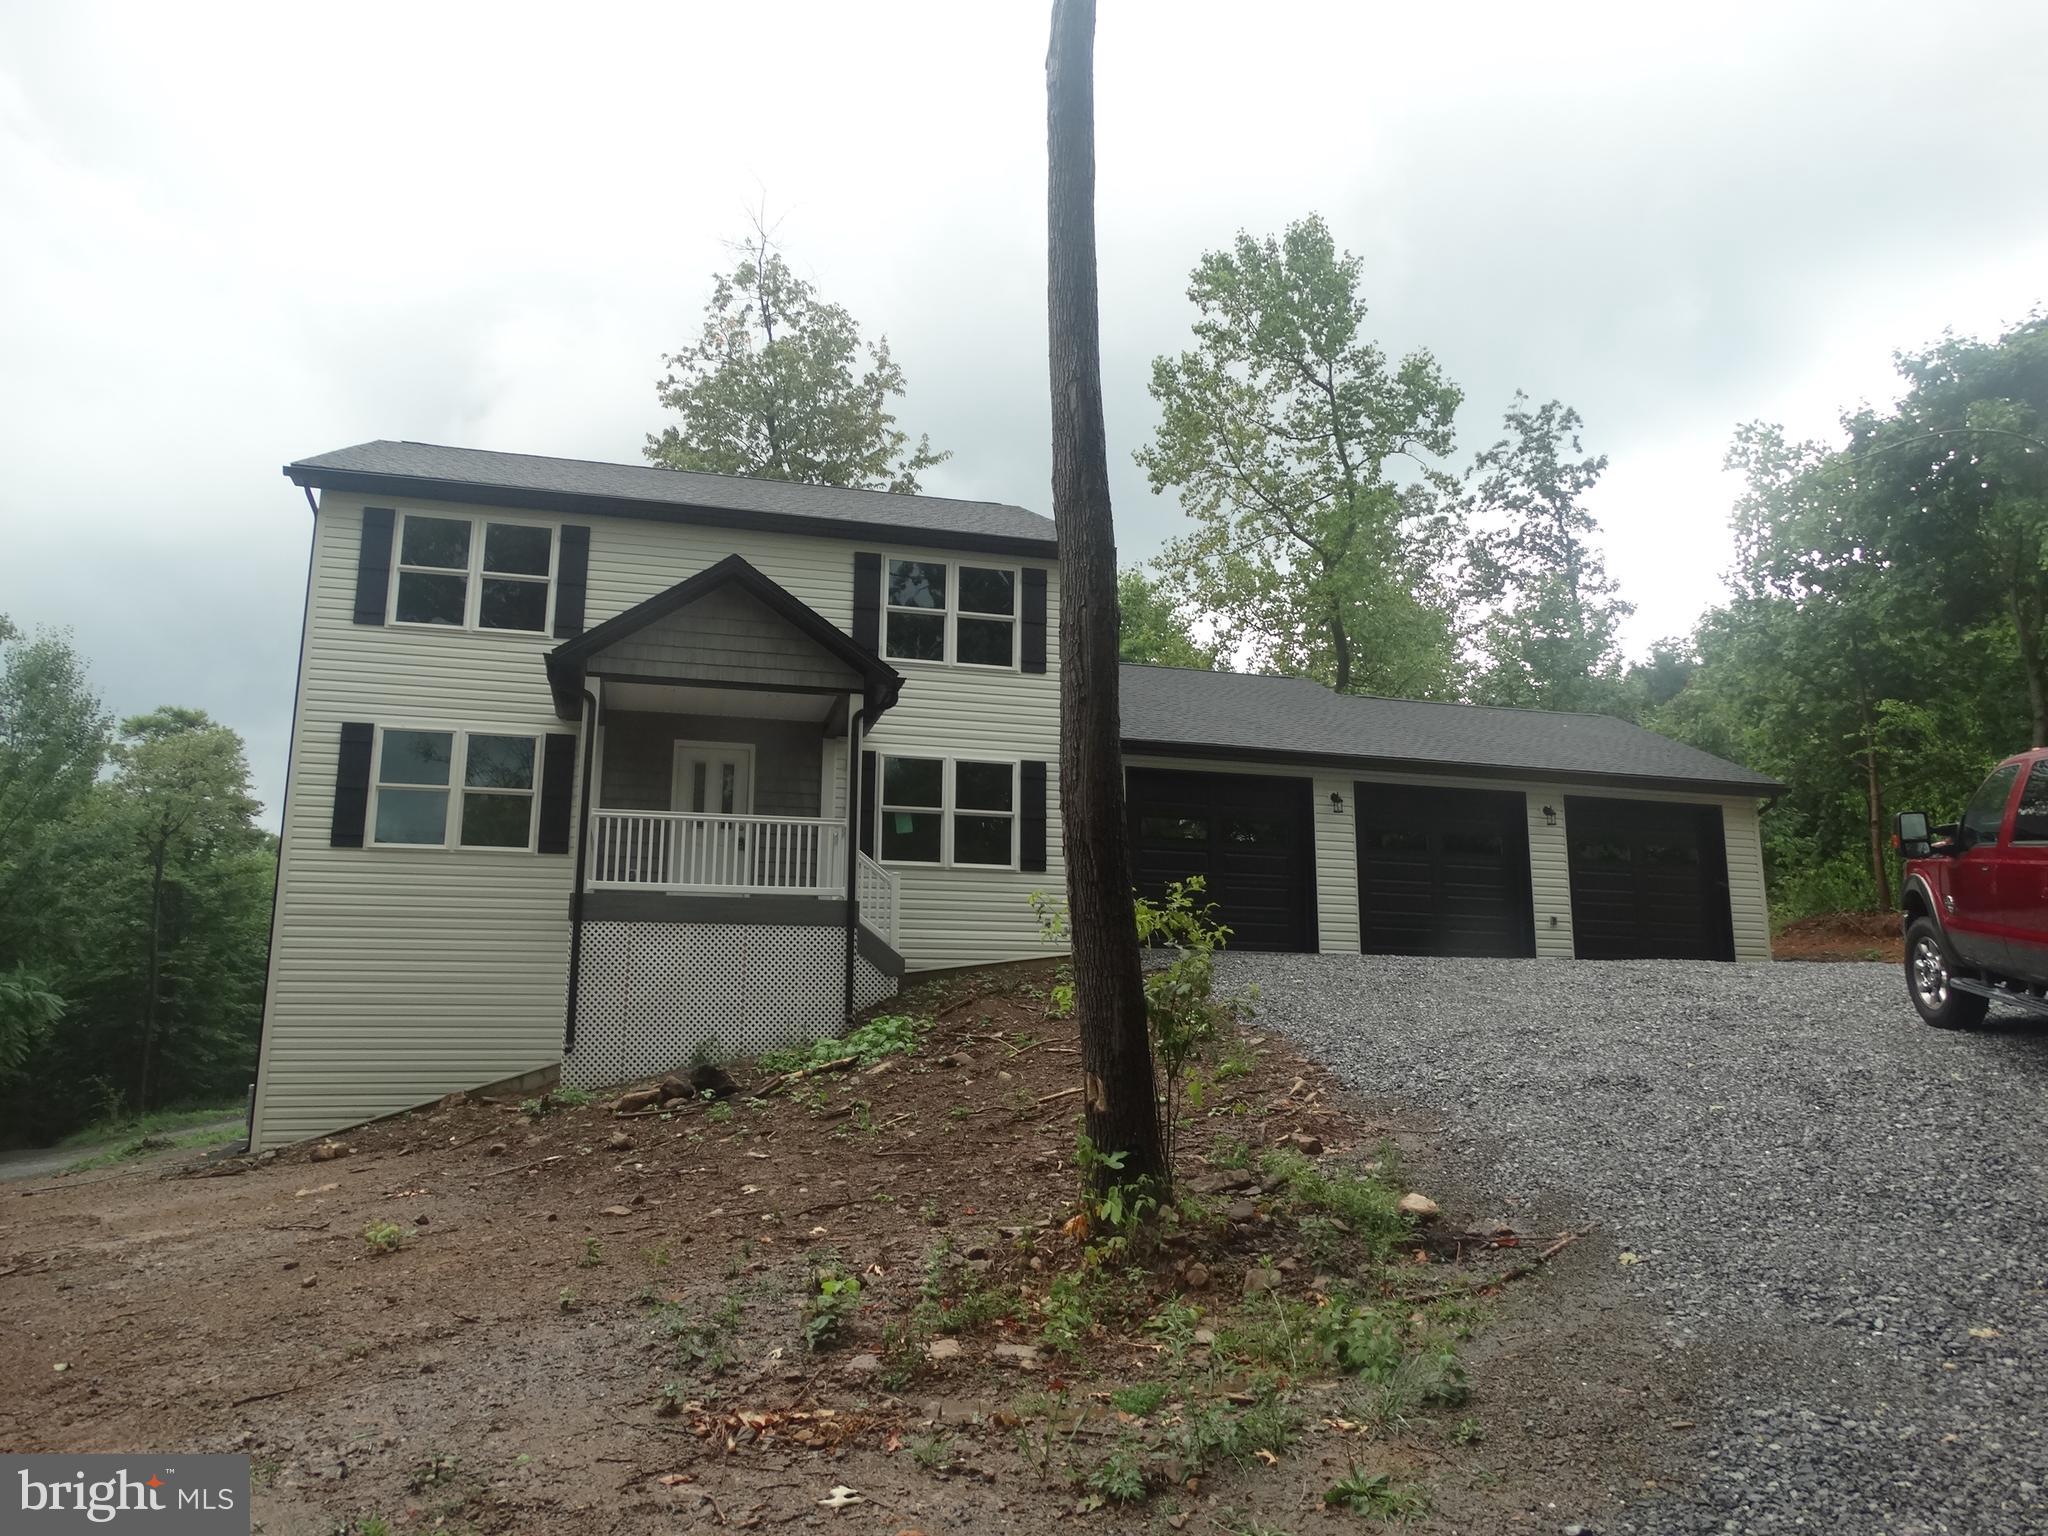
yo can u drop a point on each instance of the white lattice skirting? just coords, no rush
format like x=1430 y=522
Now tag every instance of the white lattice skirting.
x=656 y=997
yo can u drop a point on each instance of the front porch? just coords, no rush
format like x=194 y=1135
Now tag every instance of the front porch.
x=723 y=907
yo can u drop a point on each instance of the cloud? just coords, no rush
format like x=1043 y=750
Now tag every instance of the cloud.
x=239 y=235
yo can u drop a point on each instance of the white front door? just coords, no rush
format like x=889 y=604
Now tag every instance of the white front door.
x=713 y=779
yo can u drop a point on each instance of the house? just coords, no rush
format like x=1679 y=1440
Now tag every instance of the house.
x=602 y=768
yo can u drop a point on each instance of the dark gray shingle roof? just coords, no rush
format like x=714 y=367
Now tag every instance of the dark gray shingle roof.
x=429 y=470
x=1241 y=714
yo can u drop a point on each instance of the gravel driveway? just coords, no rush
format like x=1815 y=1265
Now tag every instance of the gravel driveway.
x=1845 y=1210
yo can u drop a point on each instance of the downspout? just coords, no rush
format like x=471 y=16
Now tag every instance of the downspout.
x=582 y=868
x=854 y=811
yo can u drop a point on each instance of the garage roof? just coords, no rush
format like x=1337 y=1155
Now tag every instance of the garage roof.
x=429 y=471
x=1179 y=712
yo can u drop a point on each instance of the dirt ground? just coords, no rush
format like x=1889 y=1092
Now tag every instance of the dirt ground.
x=482 y=1319
x=1842 y=936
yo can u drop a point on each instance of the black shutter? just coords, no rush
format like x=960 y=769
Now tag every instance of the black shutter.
x=352 y=782
x=557 y=779
x=1034 y=621
x=867 y=601
x=373 y=566
x=572 y=579
x=1031 y=814
x=867 y=804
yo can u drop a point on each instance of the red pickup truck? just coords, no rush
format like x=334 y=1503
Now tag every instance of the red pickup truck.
x=1976 y=898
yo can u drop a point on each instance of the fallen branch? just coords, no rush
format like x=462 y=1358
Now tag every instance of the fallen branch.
x=1519 y=1271
x=1064 y=1093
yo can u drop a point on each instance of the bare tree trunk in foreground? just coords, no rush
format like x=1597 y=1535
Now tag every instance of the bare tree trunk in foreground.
x=1109 y=986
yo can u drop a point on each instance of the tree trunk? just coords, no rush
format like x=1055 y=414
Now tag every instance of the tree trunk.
x=2023 y=616
x=1340 y=645
x=1122 y=1108
x=1880 y=867
x=155 y=970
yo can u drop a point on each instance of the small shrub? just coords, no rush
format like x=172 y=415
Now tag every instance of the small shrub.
x=593 y=1255
x=836 y=1299
x=890 y=1034
x=383 y=1237
x=1119 y=1476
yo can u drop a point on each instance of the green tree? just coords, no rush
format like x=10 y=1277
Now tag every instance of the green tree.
x=1151 y=628
x=1952 y=485
x=188 y=861
x=54 y=739
x=1286 y=433
x=781 y=385
x=1551 y=616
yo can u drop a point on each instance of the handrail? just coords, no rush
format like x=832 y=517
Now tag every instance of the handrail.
x=875 y=889
x=692 y=851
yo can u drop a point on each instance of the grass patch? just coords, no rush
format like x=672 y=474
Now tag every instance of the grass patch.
x=156 y=1141
x=157 y=1122
x=1366 y=1207
x=1373 y=1494
x=892 y=1034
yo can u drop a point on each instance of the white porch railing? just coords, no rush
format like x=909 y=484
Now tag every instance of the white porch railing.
x=677 y=851
x=875 y=889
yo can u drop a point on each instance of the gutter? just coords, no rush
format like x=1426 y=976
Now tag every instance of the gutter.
x=1763 y=789
x=582 y=869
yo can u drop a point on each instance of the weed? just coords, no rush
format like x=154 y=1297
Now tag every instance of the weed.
x=567 y=1300
x=720 y=1113
x=932 y=1452
x=1174 y=1325
x=1469 y=1431
x=1374 y=1494
x=891 y=1034
x=433 y=1471
x=1119 y=1476
x=658 y=1255
x=554 y=1099
x=383 y=1237
x=1366 y=1206
x=825 y=1311
x=1067 y=1315
x=373 y=1525
x=1139 y=1399
x=1219 y=1433
x=593 y=1255
x=1230 y=1152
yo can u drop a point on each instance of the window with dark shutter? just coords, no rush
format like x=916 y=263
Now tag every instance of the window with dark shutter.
x=352 y=783
x=373 y=565
x=572 y=580
x=867 y=600
x=1031 y=817
x=557 y=780
x=1034 y=619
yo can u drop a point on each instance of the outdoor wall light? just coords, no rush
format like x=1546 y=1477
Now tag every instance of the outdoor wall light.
x=1336 y=803
x=1550 y=815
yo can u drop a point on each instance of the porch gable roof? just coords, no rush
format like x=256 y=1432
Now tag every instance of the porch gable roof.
x=568 y=662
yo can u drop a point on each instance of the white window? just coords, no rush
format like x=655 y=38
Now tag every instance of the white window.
x=473 y=573
x=936 y=810
x=933 y=610
x=469 y=789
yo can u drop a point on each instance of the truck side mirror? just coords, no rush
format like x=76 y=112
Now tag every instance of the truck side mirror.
x=1910 y=834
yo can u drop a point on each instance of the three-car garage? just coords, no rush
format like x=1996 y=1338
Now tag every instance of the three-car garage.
x=1326 y=822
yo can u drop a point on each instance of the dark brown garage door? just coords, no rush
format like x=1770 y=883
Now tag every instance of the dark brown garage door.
x=1443 y=871
x=1247 y=835
x=1649 y=880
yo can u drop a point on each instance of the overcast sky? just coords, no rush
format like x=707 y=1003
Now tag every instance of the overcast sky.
x=229 y=238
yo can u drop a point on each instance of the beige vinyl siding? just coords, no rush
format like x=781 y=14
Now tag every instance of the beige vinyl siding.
x=399 y=974
x=402 y=974
x=1746 y=898
x=1550 y=875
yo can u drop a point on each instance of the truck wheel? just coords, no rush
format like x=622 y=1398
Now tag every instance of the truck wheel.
x=1928 y=967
